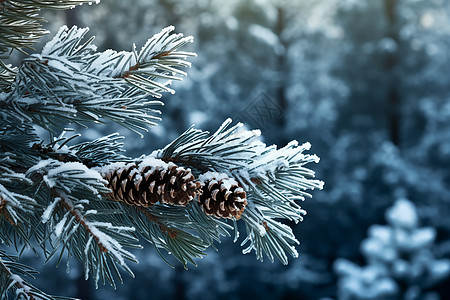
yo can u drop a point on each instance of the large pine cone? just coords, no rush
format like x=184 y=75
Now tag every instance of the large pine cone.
x=222 y=196
x=150 y=181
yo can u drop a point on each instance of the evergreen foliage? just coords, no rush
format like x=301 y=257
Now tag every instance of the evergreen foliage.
x=402 y=260
x=338 y=81
x=55 y=195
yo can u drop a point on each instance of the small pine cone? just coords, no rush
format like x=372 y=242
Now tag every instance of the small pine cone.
x=150 y=181
x=222 y=196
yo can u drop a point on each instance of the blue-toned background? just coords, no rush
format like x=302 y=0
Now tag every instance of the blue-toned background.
x=367 y=82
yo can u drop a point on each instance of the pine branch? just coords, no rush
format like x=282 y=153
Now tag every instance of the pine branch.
x=276 y=179
x=15 y=209
x=7 y=76
x=15 y=141
x=20 y=28
x=175 y=229
x=12 y=282
x=101 y=151
x=89 y=200
x=21 y=24
x=229 y=148
x=72 y=82
x=273 y=179
x=102 y=242
x=15 y=205
x=74 y=220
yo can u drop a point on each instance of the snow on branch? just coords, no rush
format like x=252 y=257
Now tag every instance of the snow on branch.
x=7 y=75
x=21 y=24
x=15 y=207
x=273 y=179
x=76 y=217
x=20 y=28
x=229 y=148
x=71 y=82
x=12 y=274
x=72 y=178
x=97 y=241
x=175 y=229
x=107 y=149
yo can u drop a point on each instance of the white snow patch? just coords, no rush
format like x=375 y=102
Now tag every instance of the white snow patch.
x=48 y=211
x=112 y=245
x=109 y=168
x=267 y=36
x=70 y=166
x=226 y=183
x=153 y=163
x=16 y=279
x=402 y=214
x=59 y=227
x=423 y=237
x=40 y=165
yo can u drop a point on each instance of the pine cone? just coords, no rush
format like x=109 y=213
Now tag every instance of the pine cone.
x=150 y=181
x=222 y=196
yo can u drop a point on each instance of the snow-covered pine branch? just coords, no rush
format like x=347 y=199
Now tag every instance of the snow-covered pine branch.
x=21 y=24
x=20 y=28
x=15 y=141
x=158 y=199
x=92 y=202
x=274 y=179
x=71 y=82
x=15 y=212
x=13 y=282
x=107 y=149
x=16 y=206
x=184 y=232
x=7 y=75
x=79 y=220
x=229 y=148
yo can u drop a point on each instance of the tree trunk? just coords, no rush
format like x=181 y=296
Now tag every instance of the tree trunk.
x=84 y=287
x=72 y=17
x=282 y=66
x=391 y=63
x=180 y=288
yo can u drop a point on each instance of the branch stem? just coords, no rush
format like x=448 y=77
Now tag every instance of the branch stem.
x=18 y=283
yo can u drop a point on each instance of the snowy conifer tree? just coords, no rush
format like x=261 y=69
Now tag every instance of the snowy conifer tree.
x=402 y=262
x=89 y=200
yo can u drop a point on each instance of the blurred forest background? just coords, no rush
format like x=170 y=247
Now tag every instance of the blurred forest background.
x=367 y=82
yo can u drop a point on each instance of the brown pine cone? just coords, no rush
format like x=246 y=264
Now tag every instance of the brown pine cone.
x=222 y=196
x=149 y=181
